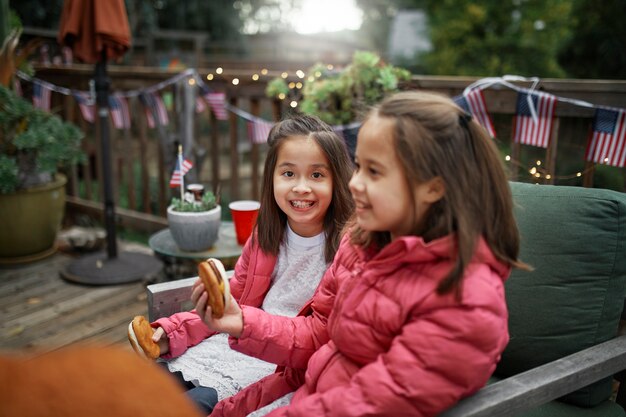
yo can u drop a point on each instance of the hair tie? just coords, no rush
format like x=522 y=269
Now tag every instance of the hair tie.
x=464 y=119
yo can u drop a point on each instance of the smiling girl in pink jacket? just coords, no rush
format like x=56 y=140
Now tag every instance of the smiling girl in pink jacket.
x=305 y=203
x=411 y=316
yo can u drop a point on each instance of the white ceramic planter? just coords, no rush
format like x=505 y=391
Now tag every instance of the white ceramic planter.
x=194 y=231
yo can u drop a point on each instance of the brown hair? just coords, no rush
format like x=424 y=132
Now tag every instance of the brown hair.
x=436 y=138
x=272 y=219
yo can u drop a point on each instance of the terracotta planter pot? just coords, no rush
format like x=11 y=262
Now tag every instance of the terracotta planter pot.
x=30 y=220
x=194 y=231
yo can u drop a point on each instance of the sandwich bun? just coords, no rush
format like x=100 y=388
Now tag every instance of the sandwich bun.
x=213 y=276
x=140 y=336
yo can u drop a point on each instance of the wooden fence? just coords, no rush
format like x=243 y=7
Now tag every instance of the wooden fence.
x=225 y=160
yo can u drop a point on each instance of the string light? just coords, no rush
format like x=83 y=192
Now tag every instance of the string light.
x=219 y=70
x=191 y=81
x=300 y=74
x=264 y=71
x=536 y=172
x=298 y=85
x=255 y=77
x=284 y=74
x=282 y=96
x=235 y=81
x=294 y=104
x=330 y=67
x=209 y=77
x=318 y=74
x=292 y=85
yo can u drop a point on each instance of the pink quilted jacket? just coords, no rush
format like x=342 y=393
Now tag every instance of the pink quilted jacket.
x=391 y=346
x=249 y=284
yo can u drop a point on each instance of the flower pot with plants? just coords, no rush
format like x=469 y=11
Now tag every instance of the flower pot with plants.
x=34 y=145
x=194 y=224
x=340 y=97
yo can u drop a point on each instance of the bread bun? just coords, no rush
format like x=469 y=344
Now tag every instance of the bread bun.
x=213 y=276
x=140 y=336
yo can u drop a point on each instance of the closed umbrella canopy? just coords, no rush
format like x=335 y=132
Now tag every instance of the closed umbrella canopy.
x=91 y=26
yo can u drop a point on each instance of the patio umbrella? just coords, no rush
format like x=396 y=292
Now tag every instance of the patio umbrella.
x=98 y=31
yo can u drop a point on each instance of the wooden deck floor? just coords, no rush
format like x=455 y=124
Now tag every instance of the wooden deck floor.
x=40 y=311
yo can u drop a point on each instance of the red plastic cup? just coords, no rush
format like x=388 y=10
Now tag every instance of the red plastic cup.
x=244 y=213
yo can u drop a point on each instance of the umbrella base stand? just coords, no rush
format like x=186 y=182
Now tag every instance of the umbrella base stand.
x=98 y=269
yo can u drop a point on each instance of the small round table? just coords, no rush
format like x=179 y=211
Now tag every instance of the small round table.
x=183 y=264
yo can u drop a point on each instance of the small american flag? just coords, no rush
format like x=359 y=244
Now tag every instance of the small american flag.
x=87 y=108
x=217 y=101
x=259 y=130
x=119 y=112
x=473 y=102
x=41 y=96
x=608 y=138
x=529 y=130
x=178 y=174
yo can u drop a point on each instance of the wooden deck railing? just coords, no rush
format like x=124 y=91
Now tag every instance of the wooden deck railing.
x=225 y=160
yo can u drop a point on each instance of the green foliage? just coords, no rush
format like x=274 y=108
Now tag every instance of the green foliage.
x=276 y=87
x=491 y=37
x=33 y=144
x=340 y=97
x=207 y=203
x=597 y=47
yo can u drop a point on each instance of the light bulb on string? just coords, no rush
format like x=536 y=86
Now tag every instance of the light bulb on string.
x=255 y=77
x=219 y=70
x=235 y=81
x=264 y=71
x=209 y=77
x=284 y=74
x=294 y=104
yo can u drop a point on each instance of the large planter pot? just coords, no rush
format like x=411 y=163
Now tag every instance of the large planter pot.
x=194 y=231
x=30 y=220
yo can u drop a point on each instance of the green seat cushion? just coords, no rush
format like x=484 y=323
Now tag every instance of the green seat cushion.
x=574 y=238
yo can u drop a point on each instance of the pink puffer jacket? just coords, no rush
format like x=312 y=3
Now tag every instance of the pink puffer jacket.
x=248 y=285
x=392 y=346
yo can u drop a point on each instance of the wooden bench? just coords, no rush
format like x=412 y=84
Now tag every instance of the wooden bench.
x=563 y=316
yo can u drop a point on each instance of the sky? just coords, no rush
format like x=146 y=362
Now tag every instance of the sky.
x=327 y=16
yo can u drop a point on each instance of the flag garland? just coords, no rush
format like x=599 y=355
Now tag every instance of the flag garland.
x=86 y=105
x=473 y=102
x=603 y=146
x=532 y=124
x=120 y=114
x=608 y=138
x=41 y=96
x=154 y=106
x=217 y=102
x=259 y=130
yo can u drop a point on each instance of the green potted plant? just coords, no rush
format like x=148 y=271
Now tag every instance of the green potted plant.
x=195 y=222
x=34 y=145
x=341 y=97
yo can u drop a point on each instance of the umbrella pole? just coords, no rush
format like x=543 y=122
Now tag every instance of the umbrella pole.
x=98 y=268
x=102 y=99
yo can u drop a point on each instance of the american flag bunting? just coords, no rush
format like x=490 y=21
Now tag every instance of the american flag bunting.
x=86 y=106
x=118 y=107
x=608 y=138
x=259 y=130
x=473 y=102
x=534 y=129
x=217 y=102
x=154 y=102
x=41 y=96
